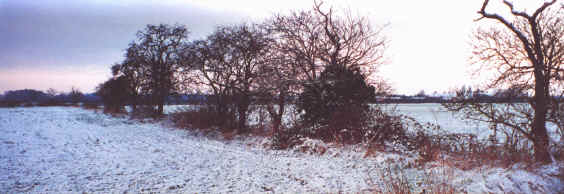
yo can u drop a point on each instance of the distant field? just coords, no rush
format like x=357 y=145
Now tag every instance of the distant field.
x=452 y=123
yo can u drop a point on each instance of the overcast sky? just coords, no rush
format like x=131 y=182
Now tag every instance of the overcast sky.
x=64 y=43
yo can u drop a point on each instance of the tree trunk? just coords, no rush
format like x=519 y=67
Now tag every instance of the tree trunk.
x=277 y=115
x=242 y=117
x=281 y=107
x=159 y=102
x=532 y=39
x=221 y=109
x=160 y=109
x=539 y=132
x=242 y=102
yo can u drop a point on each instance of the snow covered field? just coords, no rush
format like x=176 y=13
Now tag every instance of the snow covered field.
x=71 y=150
x=436 y=114
x=451 y=123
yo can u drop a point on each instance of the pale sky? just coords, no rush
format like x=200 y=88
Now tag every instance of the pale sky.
x=64 y=43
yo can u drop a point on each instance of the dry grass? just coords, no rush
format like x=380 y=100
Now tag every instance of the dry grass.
x=195 y=119
x=91 y=106
x=229 y=134
x=465 y=152
x=372 y=150
x=206 y=121
x=439 y=156
x=394 y=179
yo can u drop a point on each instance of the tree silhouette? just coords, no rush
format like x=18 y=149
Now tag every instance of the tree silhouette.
x=153 y=61
x=229 y=61
x=526 y=54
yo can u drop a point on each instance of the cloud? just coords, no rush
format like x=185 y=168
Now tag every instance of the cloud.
x=54 y=33
x=86 y=78
x=427 y=37
x=47 y=38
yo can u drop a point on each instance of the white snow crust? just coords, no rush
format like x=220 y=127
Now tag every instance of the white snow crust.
x=72 y=150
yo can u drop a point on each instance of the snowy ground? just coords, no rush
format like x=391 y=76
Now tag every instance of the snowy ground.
x=452 y=123
x=64 y=149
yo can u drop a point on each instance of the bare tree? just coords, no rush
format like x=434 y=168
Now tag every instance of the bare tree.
x=155 y=57
x=242 y=63
x=229 y=62
x=317 y=38
x=526 y=55
x=277 y=84
x=52 y=92
x=75 y=95
x=134 y=75
x=309 y=41
x=204 y=56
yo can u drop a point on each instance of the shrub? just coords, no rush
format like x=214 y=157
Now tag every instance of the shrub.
x=115 y=93
x=144 y=111
x=204 y=117
x=336 y=104
x=465 y=151
x=339 y=89
x=393 y=179
x=287 y=139
x=75 y=95
x=384 y=127
x=374 y=127
x=90 y=105
x=9 y=104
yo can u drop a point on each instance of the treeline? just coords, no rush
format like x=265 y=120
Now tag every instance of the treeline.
x=320 y=60
x=463 y=94
x=30 y=97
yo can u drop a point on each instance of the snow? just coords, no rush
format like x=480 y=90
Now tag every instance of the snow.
x=452 y=123
x=65 y=149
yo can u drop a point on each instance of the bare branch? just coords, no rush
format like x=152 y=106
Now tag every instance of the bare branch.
x=515 y=12
x=542 y=8
x=529 y=57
